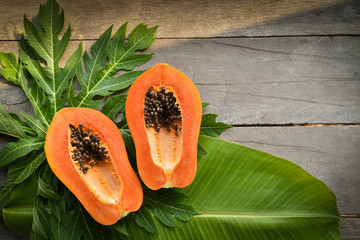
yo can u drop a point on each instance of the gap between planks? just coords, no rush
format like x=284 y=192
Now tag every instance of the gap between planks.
x=350 y=216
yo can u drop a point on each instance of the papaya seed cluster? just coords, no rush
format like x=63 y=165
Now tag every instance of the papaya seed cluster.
x=87 y=147
x=161 y=109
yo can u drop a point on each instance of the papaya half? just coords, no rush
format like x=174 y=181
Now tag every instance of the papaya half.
x=85 y=150
x=163 y=110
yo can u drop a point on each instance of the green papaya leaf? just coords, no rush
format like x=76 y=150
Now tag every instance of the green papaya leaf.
x=9 y=125
x=204 y=105
x=10 y=67
x=53 y=79
x=59 y=227
x=210 y=127
x=114 y=105
x=22 y=147
x=41 y=220
x=144 y=219
x=46 y=191
x=5 y=193
x=20 y=171
x=200 y=150
x=75 y=225
x=120 y=227
x=129 y=142
x=167 y=205
x=41 y=104
x=100 y=78
x=35 y=124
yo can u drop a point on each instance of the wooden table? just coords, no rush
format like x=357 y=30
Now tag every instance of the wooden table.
x=285 y=74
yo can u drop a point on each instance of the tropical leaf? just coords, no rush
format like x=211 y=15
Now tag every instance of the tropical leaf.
x=22 y=147
x=204 y=105
x=5 y=193
x=41 y=220
x=58 y=228
x=144 y=219
x=114 y=105
x=41 y=104
x=169 y=204
x=75 y=228
x=210 y=127
x=35 y=124
x=54 y=80
x=100 y=78
x=129 y=142
x=200 y=150
x=120 y=227
x=46 y=191
x=10 y=67
x=10 y=126
x=243 y=193
x=20 y=171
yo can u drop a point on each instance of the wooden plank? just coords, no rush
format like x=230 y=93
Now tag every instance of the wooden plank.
x=328 y=153
x=258 y=81
x=188 y=19
x=350 y=229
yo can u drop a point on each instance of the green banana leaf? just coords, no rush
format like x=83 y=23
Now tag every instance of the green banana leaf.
x=243 y=193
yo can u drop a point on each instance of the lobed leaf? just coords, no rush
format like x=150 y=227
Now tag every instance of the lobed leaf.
x=47 y=191
x=35 y=124
x=53 y=79
x=210 y=127
x=114 y=105
x=169 y=204
x=22 y=147
x=10 y=67
x=204 y=105
x=9 y=125
x=99 y=78
x=41 y=104
x=58 y=228
x=120 y=227
x=5 y=193
x=20 y=171
x=75 y=227
x=200 y=150
x=144 y=219
x=41 y=220
x=129 y=142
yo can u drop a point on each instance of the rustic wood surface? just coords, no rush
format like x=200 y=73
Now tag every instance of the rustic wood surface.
x=285 y=73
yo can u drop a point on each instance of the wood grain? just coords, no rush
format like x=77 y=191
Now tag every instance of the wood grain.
x=189 y=19
x=328 y=153
x=257 y=81
x=350 y=229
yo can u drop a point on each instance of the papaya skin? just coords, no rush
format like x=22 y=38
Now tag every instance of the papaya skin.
x=108 y=191
x=159 y=164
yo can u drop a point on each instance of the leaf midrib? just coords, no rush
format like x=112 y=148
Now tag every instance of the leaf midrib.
x=22 y=146
x=224 y=215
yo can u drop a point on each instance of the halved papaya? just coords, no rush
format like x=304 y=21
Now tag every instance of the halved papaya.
x=163 y=111
x=85 y=150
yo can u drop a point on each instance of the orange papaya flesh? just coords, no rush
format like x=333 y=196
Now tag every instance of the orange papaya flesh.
x=163 y=111
x=85 y=150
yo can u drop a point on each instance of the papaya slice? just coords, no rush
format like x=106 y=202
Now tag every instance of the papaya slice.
x=85 y=150
x=163 y=110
